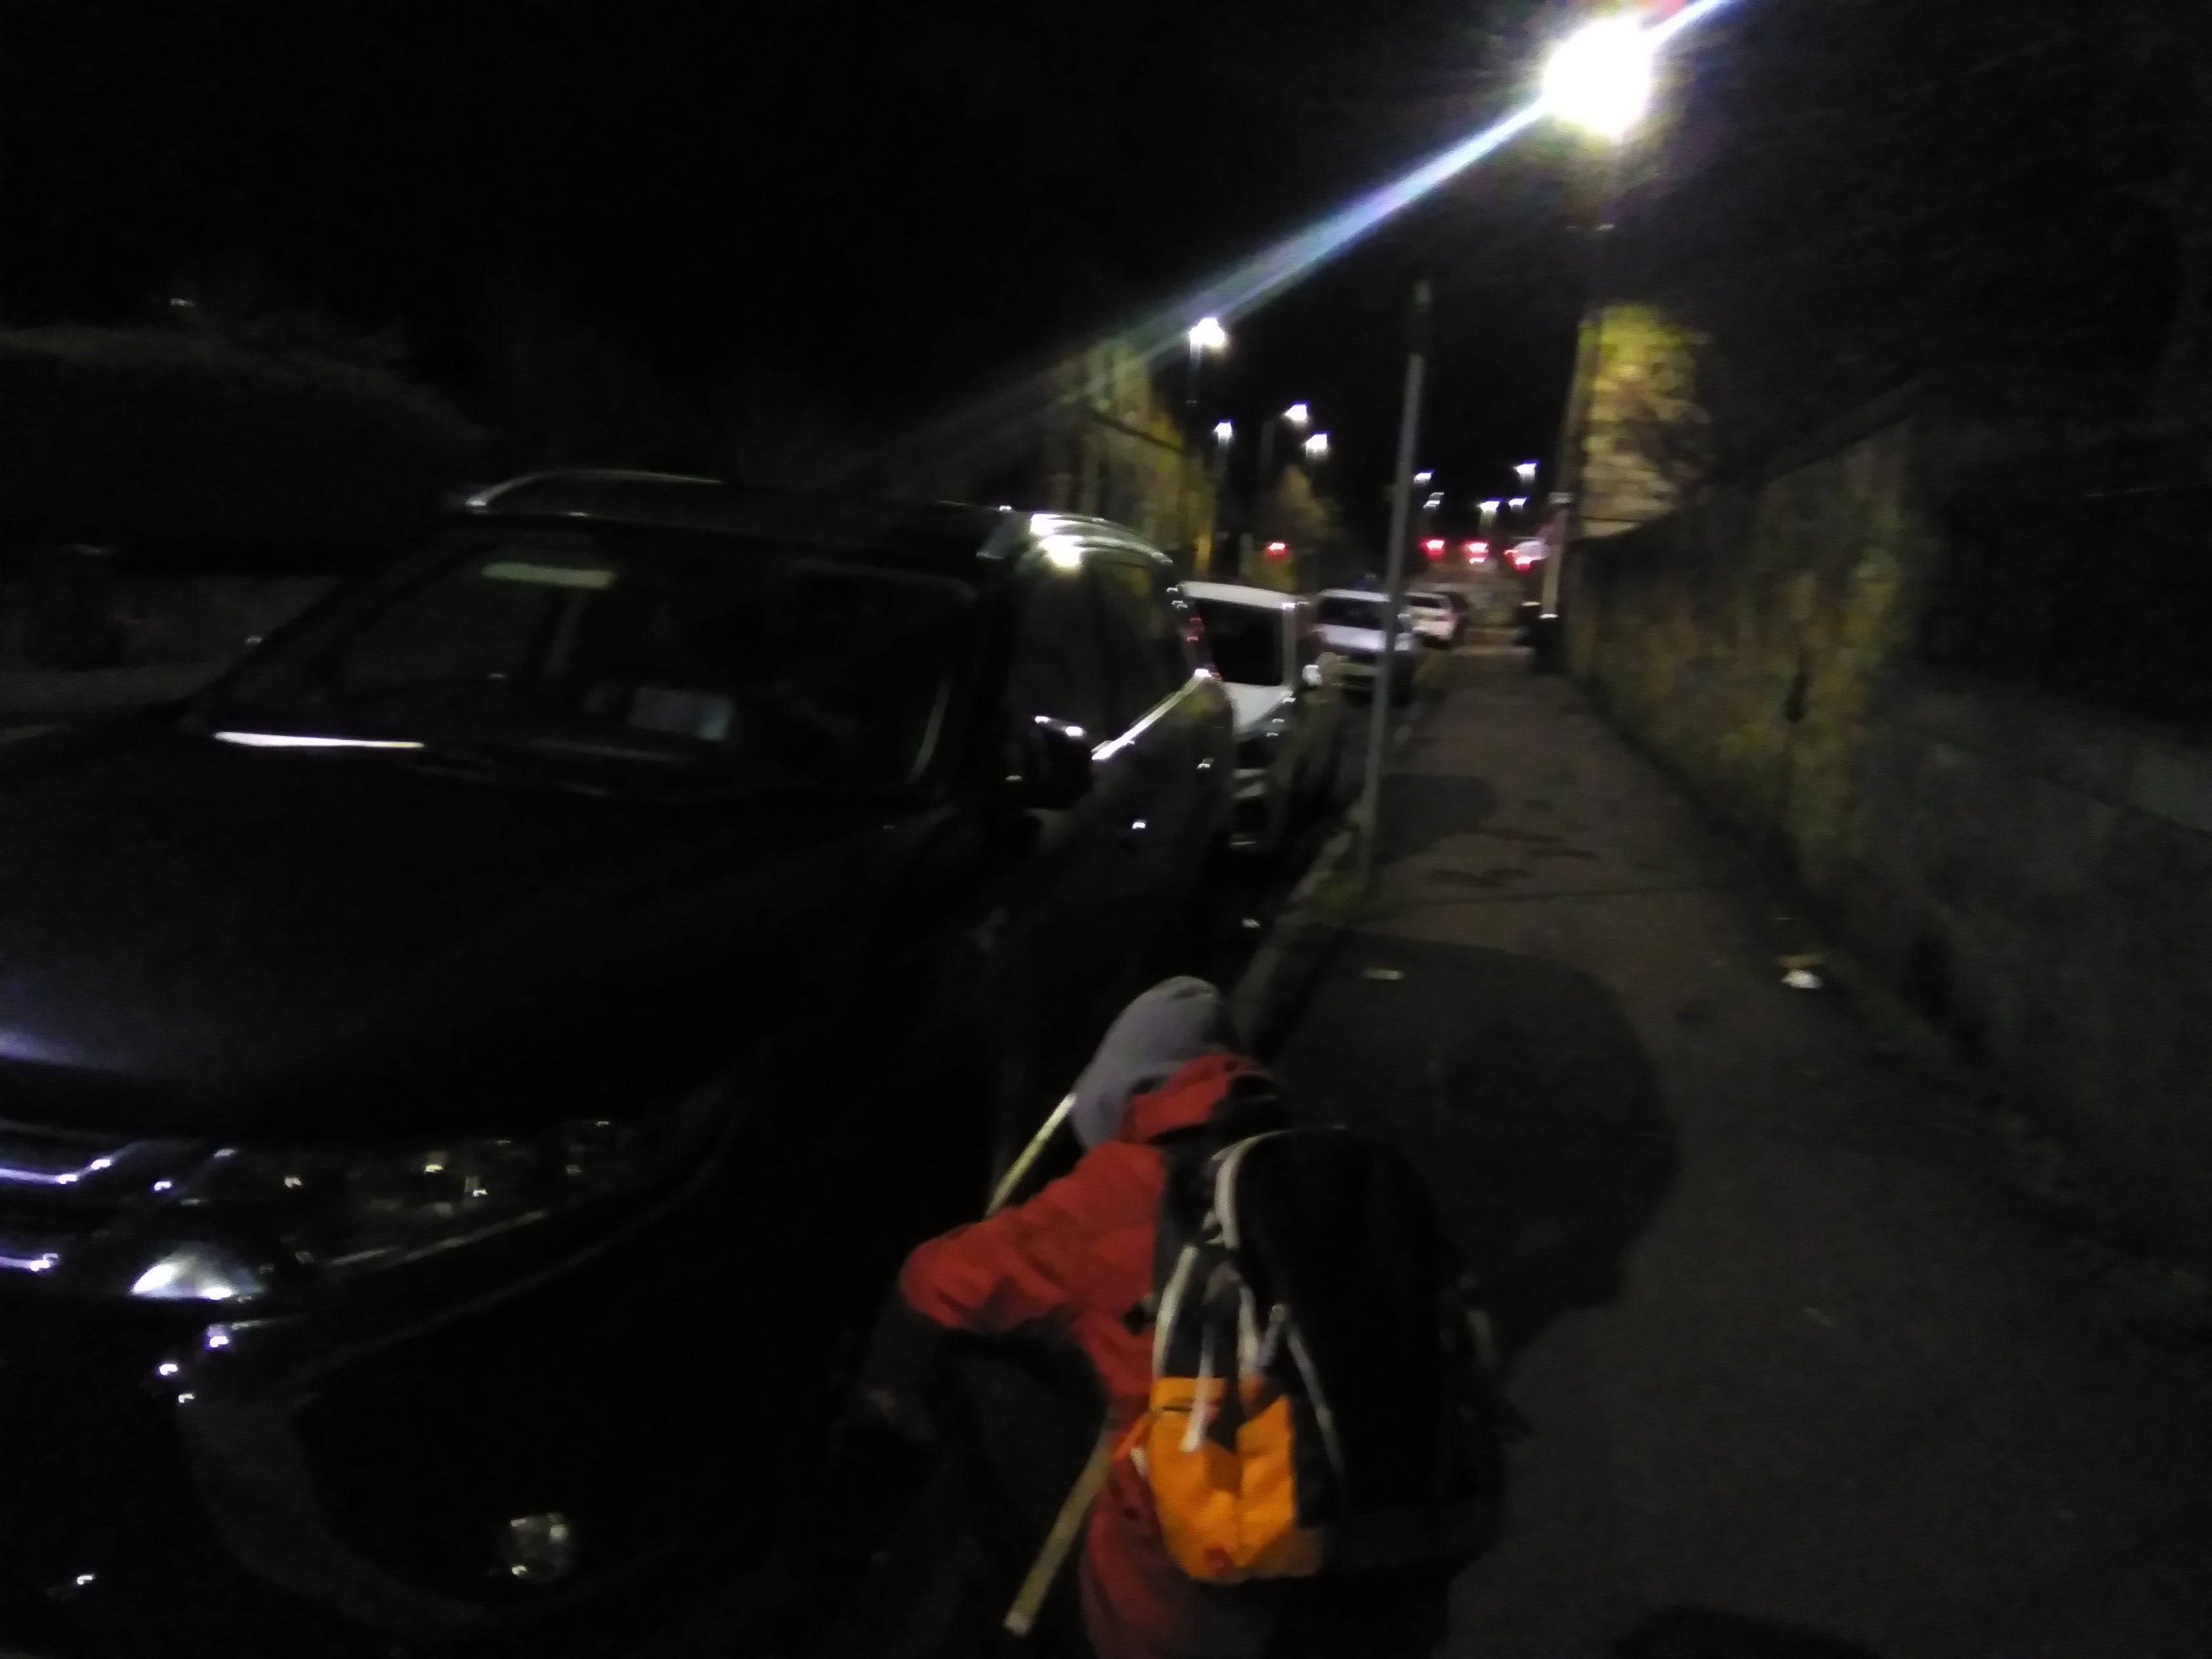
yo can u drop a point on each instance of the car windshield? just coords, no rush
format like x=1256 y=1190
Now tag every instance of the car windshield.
x=767 y=664
x=1246 y=641
x=1344 y=612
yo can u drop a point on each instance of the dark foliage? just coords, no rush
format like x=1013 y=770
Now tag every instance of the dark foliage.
x=189 y=452
x=2013 y=200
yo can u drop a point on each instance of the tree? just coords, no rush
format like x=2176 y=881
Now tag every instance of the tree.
x=2014 y=205
x=1293 y=512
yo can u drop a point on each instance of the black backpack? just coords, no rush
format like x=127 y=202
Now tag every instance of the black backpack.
x=1322 y=1398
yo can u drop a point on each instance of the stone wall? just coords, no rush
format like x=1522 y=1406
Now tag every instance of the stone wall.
x=2033 y=875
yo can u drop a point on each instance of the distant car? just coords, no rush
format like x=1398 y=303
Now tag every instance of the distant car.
x=1355 y=624
x=469 y=1075
x=1289 y=712
x=1436 y=622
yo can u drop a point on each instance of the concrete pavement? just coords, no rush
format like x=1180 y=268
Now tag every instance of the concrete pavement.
x=1807 y=1375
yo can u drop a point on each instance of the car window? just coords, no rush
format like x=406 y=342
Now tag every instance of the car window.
x=1059 y=667
x=1341 y=611
x=1146 y=653
x=1247 y=640
x=596 y=644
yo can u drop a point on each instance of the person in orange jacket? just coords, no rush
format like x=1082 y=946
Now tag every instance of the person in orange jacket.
x=1076 y=1262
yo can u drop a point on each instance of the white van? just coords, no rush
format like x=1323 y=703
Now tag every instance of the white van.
x=1288 y=709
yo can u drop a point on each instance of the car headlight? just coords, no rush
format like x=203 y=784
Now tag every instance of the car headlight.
x=252 y=1216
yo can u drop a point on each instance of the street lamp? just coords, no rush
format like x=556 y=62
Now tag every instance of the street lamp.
x=1298 y=415
x=1224 y=432
x=1599 y=78
x=1425 y=479
x=1490 y=515
x=1205 y=335
x=1527 y=469
x=1317 y=446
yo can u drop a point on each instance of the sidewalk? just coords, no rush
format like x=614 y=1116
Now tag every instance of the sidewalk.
x=1793 y=1350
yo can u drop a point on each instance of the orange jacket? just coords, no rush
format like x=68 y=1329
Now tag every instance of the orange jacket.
x=1078 y=1257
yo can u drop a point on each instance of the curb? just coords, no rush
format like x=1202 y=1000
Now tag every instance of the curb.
x=1264 y=992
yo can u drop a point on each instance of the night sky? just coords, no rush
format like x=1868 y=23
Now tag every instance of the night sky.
x=892 y=204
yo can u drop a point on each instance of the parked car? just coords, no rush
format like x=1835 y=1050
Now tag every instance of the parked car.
x=469 y=1074
x=1353 y=623
x=1290 y=711
x=1436 y=620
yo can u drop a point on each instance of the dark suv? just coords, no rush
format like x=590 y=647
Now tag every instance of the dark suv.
x=464 y=1077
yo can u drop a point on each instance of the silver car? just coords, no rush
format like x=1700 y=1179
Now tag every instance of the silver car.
x=1353 y=623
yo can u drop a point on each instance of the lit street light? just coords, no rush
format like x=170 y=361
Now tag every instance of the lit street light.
x=1600 y=77
x=1224 y=432
x=1206 y=334
x=1490 y=515
x=1298 y=415
x=1425 y=479
x=1527 y=472
x=1518 y=503
x=1317 y=446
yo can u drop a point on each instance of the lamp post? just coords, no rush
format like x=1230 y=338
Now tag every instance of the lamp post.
x=1316 y=451
x=1225 y=434
x=1394 y=579
x=1296 y=415
x=1206 y=335
x=1599 y=79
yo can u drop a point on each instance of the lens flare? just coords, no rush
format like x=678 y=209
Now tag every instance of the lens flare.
x=1601 y=77
x=991 y=424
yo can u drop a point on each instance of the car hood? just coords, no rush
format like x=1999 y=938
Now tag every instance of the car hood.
x=200 y=939
x=1253 y=704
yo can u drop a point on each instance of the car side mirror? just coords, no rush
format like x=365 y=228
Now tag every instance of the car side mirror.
x=1314 y=678
x=1054 y=766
